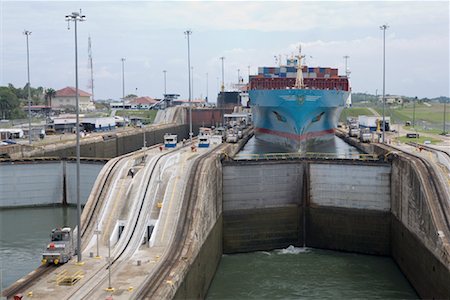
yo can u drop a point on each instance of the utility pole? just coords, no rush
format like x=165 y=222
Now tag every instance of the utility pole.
x=223 y=76
x=384 y=27
x=188 y=33
x=414 y=112
x=206 y=87
x=123 y=86
x=27 y=34
x=165 y=91
x=77 y=17
x=445 y=116
x=91 y=66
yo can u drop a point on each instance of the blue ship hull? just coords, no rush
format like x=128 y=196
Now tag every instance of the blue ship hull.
x=294 y=118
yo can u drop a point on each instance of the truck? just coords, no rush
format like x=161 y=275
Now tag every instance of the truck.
x=61 y=247
x=373 y=123
x=353 y=129
x=365 y=135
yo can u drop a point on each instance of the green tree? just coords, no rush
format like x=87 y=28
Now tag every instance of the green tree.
x=49 y=95
x=9 y=104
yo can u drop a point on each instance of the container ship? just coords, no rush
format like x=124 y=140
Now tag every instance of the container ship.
x=294 y=108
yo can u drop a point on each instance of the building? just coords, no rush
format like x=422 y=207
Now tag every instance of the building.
x=66 y=98
x=391 y=99
x=142 y=103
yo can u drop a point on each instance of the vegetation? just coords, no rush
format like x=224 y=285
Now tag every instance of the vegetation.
x=9 y=105
x=420 y=140
x=354 y=112
x=148 y=116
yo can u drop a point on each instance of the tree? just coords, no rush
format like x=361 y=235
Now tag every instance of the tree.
x=9 y=104
x=49 y=95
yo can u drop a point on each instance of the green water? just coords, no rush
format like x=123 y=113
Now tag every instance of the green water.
x=24 y=233
x=304 y=273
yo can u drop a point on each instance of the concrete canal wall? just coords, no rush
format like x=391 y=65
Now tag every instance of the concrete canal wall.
x=45 y=182
x=364 y=207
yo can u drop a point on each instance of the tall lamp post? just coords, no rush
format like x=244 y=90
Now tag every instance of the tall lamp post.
x=445 y=116
x=384 y=27
x=222 y=88
x=206 y=87
x=27 y=33
x=165 y=91
x=188 y=33
x=77 y=17
x=123 y=87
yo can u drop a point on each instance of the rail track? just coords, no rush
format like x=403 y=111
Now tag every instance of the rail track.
x=435 y=188
x=173 y=254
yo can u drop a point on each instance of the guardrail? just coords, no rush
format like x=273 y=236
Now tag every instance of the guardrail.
x=307 y=155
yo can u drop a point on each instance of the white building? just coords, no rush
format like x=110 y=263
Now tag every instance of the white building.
x=66 y=98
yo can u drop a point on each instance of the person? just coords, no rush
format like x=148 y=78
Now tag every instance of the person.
x=131 y=172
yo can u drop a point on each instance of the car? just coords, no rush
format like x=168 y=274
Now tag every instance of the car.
x=9 y=142
x=427 y=142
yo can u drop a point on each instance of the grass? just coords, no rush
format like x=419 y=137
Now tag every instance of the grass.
x=148 y=116
x=354 y=112
x=419 y=140
x=432 y=114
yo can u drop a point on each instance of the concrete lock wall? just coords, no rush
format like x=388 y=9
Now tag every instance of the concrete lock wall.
x=349 y=208
x=261 y=204
x=342 y=206
x=36 y=183
x=114 y=144
x=416 y=245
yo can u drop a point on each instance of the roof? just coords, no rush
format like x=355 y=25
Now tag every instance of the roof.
x=187 y=101
x=70 y=92
x=143 y=100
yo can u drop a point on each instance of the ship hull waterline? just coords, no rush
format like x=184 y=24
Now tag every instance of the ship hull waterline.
x=296 y=118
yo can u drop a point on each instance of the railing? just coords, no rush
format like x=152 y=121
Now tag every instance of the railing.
x=307 y=155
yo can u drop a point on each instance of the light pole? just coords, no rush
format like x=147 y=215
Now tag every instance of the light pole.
x=75 y=17
x=123 y=87
x=27 y=33
x=188 y=33
x=248 y=73
x=445 y=116
x=206 y=87
x=384 y=27
x=239 y=79
x=414 y=112
x=192 y=78
x=165 y=91
x=222 y=88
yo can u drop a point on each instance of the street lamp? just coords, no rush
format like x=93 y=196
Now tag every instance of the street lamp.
x=223 y=76
x=239 y=80
x=384 y=27
x=188 y=33
x=75 y=17
x=206 y=87
x=165 y=91
x=414 y=112
x=123 y=87
x=27 y=33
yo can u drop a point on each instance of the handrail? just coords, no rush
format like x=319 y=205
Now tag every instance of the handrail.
x=307 y=155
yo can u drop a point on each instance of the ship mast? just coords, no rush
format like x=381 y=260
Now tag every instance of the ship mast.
x=299 y=84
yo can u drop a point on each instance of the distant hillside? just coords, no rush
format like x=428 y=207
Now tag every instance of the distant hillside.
x=363 y=97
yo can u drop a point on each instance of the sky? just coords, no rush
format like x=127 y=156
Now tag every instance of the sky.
x=150 y=36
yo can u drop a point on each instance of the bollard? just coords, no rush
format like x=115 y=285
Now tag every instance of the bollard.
x=91 y=254
x=138 y=262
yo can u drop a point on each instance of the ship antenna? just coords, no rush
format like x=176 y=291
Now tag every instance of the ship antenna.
x=299 y=80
